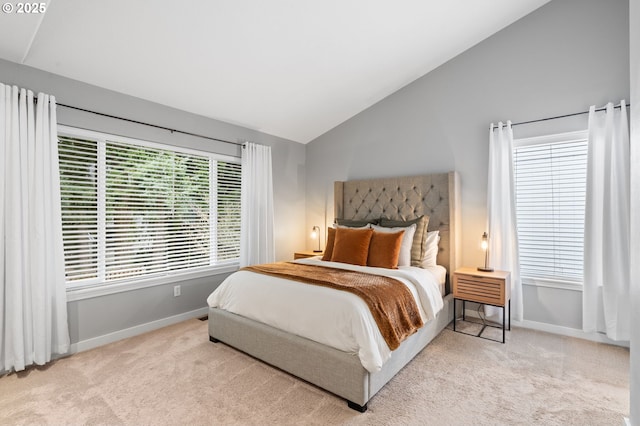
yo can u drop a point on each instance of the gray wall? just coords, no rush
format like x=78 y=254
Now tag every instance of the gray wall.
x=634 y=378
x=560 y=59
x=96 y=317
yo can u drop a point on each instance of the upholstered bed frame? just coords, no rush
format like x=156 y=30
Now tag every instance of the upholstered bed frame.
x=341 y=373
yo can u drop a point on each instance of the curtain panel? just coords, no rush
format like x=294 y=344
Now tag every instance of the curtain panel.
x=257 y=243
x=33 y=309
x=501 y=213
x=606 y=293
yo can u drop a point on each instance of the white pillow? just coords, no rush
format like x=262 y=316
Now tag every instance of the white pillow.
x=431 y=253
x=404 y=259
x=367 y=226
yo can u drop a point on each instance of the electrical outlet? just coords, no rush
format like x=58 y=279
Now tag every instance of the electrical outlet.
x=176 y=291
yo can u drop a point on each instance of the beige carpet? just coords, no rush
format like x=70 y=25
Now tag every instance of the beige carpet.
x=176 y=376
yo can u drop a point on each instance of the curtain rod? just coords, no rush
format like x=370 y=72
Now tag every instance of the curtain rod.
x=150 y=125
x=562 y=116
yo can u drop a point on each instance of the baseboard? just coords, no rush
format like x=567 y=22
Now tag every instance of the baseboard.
x=627 y=422
x=85 y=345
x=95 y=342
x=558 y=329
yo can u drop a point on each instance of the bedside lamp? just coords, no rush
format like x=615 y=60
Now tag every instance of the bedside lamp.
x=485 y=247
x=315 y=234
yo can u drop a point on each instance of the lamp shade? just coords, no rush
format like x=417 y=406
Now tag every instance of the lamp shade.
x=485 y=246
x=315 y=234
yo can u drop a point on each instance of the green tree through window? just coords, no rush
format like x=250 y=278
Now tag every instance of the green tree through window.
x=133 y=210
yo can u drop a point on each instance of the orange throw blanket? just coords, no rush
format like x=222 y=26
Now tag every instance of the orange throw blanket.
x=390 y=301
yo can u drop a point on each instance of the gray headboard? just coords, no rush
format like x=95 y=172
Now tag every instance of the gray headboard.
x=404 y=198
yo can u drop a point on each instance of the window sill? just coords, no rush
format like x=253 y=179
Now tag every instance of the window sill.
x=97 y=290
x=542 y=282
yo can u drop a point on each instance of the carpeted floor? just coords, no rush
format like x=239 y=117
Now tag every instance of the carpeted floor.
x=176 y=376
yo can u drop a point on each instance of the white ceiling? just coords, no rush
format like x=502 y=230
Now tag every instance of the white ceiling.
x=291 y=68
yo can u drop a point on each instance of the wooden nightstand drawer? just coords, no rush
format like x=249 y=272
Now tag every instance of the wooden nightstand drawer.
x=479 y=291
x=483 y=287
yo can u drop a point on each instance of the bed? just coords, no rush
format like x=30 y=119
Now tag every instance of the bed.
x=342 y=372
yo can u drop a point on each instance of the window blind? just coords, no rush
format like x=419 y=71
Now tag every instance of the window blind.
x=229 y=181
x=132 y=210
x=78 y=160
x=550 y=185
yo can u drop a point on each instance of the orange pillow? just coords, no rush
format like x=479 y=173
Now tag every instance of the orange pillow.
x=384 y=249
x=328 y=249
x=352 y=246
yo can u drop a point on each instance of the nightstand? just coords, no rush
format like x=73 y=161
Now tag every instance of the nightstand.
x=305 y=254
x=488 y=288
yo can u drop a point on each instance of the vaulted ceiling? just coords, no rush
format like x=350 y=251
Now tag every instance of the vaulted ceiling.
x=291 y=68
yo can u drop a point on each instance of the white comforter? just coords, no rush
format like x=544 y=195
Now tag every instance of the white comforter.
x=334 y=318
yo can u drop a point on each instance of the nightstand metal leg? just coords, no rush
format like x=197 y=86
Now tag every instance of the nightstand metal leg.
x=509 y=314
x=504 y=322
x=454 y=314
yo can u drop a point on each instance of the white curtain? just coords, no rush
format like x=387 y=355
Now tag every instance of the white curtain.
x=256 y=233
x=33 y=306
x=501 y=213
x=606 y=290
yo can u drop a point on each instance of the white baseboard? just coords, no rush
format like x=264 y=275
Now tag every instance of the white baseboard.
x=85 y=345
x=627 y=422
x=557 y=329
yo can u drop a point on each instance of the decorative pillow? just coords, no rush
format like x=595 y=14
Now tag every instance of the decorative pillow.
x=404 y=259
x=328 y=249
x=351 y=246
x=356 y=223
x=367 y=226
x=430 y=256
x=384 y=249
x=419 y=239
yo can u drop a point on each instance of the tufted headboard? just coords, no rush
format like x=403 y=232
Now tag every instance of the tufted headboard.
x=405 y=198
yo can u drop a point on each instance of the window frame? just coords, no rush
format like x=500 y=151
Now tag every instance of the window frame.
x=574 y=136
x=90 y=289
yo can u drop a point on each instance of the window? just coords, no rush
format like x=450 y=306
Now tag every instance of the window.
x=134 y=209
x=550 y=184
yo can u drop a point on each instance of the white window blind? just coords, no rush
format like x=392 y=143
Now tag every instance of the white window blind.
x=550 y=185
x=133 y=209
